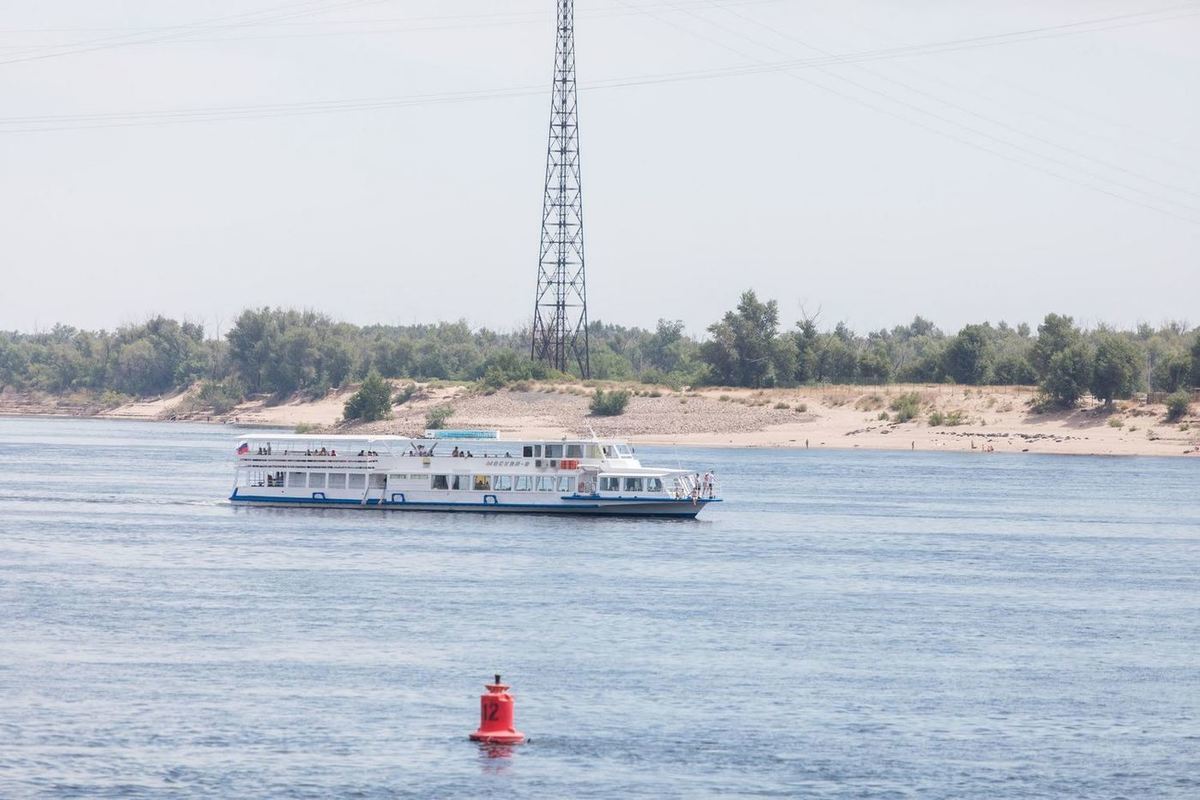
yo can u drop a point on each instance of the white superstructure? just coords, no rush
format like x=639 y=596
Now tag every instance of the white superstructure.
x=463 y=471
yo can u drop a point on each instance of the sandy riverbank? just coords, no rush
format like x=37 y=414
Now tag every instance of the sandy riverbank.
x=999 y=418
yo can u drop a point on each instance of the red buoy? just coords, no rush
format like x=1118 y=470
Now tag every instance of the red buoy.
x=496 y=717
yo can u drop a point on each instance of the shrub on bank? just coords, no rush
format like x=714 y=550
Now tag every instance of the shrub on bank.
x=221 y=396
x=1178 y=405
x=435 y=420
x=372 y=401
x=907 y=406
x=609 y=404
x=404 y=395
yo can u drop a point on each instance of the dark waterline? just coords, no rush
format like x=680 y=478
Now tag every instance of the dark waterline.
x=850 y=624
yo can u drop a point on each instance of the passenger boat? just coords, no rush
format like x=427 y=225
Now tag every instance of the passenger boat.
x=463 y=471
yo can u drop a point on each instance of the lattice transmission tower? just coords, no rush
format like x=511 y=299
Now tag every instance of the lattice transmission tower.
x=560 y=320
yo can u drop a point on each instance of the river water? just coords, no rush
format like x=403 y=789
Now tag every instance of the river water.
x=848 y=624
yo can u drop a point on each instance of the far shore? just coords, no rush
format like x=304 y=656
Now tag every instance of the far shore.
x=972 y=419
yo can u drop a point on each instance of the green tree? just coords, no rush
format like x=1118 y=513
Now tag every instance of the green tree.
x=1114 y=368
x=874 y=367
x=663 y=350
x=1014 y=369
x=968 y=357
x=746 y=349
x=808 y=351
x=252 y=344
x=1174 y=372
x=1055 y=334
x=372 y=401
x=1068 y=375
x=1195 y=353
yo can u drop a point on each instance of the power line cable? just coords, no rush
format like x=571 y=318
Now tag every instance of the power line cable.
x=467 y=20
x=983 y=117
x=284 y=12
x=945 y=120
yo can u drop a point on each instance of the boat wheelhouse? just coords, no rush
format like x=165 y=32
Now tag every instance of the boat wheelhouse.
x=463 y=471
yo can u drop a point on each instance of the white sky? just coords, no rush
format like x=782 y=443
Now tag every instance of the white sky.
x=872 y=190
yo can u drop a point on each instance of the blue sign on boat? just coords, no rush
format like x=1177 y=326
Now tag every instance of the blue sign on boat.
x=462 y=435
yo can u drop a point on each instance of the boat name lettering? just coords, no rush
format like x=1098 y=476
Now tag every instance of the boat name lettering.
x=506 y=464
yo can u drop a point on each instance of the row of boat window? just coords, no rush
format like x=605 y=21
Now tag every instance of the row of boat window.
x=478 y=483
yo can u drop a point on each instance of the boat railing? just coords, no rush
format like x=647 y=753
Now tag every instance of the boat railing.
x=268 y=460
x=706 y=488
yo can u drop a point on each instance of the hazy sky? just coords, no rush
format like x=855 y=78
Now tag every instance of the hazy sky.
x=961 y=160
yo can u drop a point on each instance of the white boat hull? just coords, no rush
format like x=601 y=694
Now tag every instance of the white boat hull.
x=491 y=504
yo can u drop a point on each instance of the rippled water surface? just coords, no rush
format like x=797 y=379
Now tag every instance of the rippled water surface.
x=849 y=624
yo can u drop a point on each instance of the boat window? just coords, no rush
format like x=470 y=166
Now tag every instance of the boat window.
x=608 y=450
x=483 y=483
x=337 y=480
x=623 y=451
x=546 y=483
x=276 y=479
x=296 y=479
x=608 y=484
x=523 y=483
x=502 y=483
x=554 y=451
x=316 y=480
x=356 y=480
x=574 y=451
x=654 y=484
x=564 y=483
x=460 y=482
x=633 y=484
x=440 y=482
x=527 y=451
x=378 y=480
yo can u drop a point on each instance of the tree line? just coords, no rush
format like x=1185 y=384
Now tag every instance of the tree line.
x=286 y=352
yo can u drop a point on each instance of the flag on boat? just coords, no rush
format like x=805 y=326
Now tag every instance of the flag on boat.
x=243 y=448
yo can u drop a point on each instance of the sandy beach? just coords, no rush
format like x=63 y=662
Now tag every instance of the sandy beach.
x=979 y=419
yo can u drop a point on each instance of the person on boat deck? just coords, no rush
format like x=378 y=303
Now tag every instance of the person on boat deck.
x=454 y=453
x=470 y=454
x=708 y=484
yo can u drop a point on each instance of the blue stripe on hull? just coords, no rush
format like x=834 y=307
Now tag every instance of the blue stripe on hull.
x=665 y=508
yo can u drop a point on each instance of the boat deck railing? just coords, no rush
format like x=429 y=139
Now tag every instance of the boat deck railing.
x=687 y=486
x=288 y=459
